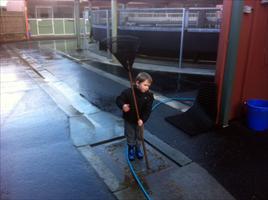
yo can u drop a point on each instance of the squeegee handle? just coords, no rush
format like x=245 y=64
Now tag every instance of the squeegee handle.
x=133 y=94
x=138 y=117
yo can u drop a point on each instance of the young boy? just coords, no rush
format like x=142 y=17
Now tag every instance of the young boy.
x=131 y=123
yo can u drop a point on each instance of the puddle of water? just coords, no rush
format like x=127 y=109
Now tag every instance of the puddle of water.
x=156 y=160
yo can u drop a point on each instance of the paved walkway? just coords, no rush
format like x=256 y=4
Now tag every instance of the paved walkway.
x=231 y=154
x=38 y=159
x=97 y=135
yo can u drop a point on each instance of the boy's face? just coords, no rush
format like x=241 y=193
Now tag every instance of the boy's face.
x=143 y=86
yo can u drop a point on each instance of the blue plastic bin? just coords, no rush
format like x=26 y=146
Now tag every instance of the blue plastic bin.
x=257 y=114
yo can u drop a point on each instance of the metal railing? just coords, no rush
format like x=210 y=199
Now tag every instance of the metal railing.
x=178 y=20
x=56 y=26
x=152 y=17
x=194 y=19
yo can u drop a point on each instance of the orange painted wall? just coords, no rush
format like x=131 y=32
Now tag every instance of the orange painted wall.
x=251 y=76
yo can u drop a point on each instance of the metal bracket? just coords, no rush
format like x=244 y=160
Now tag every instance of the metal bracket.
x=247 y=9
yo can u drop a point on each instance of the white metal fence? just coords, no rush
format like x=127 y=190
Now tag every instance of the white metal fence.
x=194 y=18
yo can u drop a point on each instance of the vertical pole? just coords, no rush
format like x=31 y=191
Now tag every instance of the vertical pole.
x=114 y=18
x=77 y=22
x=54 y=46
x=65 y=46
x=141 y=129
x=222 y=53
x=52 y=21
x=64 y=29
x=37 y=21
x=181 y=46
x=108 y=32
x=182 y=35
x=90 y=20
x=26 y=20
x=231 y=59
x=85 y=16
x=84 y=30
x=186 y=21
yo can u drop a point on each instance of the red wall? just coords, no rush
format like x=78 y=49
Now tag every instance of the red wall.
x=251 y=69
x=251 y=75
x=222 y=51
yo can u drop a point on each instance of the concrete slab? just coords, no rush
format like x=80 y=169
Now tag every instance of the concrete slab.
x=77 y=101
x=59 y=99
x=49 y=77
x=130 y=193
x=82 y=132
x=103 y=171
x=107 y=125
x=94 y=129
x=113 y=154
x=33 y=74
x=190 y=182
x=183 y=70
x=13 y=100
x=7 y=67
x=164 y=180
x=172 y=153
x=17 y=86
x=12 y=76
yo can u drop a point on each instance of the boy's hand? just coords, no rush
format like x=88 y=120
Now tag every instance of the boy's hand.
x=126 y=107
x=140 y=122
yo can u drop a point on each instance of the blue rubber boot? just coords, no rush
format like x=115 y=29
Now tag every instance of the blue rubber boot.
x=131 y=153
x=139 y=153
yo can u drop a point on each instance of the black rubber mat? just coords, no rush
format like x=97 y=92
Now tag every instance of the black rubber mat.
x=201 y=116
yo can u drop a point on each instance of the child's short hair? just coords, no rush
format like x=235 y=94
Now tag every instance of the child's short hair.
x=143 y=76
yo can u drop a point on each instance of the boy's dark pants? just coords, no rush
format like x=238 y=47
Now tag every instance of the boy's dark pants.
x=132 y=134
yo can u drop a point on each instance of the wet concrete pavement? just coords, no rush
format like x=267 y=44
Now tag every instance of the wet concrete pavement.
x=38 y=161
x=89 y=126
x=220 y=153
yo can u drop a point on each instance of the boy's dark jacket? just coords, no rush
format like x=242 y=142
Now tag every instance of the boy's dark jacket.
x=144 y=101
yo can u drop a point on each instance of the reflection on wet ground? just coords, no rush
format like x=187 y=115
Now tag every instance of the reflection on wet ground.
x=164 y=82
x=114 y=155
x=37 y=159
x=236 y=156
x=167 y=83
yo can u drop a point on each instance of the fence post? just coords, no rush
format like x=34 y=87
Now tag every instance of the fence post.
x=77 y=23
x=108 y=33
x=182 y=37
